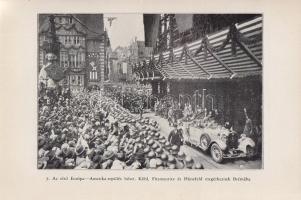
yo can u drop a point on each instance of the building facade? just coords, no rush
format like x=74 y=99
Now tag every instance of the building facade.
x=81 y=48
x=221 y=68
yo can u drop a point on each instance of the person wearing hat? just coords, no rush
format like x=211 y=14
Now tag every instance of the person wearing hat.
x=96 y=162
x=164 y=158
x=180 y=160
x=155 y=146
x=139 y=160
x=198 y=166
x=153 y=163
x=171 y=161
x=189 y=162
x=159 y=164
x=66 y=152
x=167 y=146
x=108 y=158
x=69 y=163
x=119 y=163
x=80 y=152
x=42 y=162
x=150 y=142
x=174 y=150
x=53 y=162
x=140 y=109
x=170 y=116
x=150 y=156
x=113 y=140
x=101 y=115
x=175 y=137
x=172 y=166
x=159 y=152
x=157 y=136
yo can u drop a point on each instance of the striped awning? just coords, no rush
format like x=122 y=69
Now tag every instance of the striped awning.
x=230 y=53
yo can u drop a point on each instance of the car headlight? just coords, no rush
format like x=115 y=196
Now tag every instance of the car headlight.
x=224 y=138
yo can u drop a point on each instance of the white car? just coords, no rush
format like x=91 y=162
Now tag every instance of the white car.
x=221 y=142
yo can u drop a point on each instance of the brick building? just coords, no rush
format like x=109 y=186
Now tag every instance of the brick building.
x=82 y=47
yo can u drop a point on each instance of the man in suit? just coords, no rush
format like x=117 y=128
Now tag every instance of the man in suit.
x=175 y=137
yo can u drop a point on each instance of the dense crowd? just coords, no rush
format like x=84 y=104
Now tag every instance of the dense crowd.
x=197 y=117
x=92 y=131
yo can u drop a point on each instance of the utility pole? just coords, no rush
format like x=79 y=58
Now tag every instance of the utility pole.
x=203 y=99
x=104 y=59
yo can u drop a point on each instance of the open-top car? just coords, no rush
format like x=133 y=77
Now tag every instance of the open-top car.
x=221 y=142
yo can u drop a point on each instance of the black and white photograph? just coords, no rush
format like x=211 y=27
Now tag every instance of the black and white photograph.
x=158 y=91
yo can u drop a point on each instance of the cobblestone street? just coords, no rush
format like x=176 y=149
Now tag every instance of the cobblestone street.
x=204 y=157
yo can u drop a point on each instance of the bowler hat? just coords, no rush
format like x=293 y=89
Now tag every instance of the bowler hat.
x=164 y=157
x=174 y=149
x=189 y=161
x=171 y=160
x=41 y=142
x=79 y=150
x=108 y=155
x=154 y=146
x=146 y=150
x=151 y=154
x=150 y=142
x=181 y=155
x=159 y=151
x=163 y=141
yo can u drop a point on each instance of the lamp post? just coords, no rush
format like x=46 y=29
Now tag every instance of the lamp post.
x=203 y=99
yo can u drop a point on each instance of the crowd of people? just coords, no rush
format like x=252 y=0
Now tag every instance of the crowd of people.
x=92 y=131
x=89 y=130
x=135 y=100
x=176 y=112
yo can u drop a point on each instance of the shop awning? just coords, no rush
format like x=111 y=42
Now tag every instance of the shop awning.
x=230 y=53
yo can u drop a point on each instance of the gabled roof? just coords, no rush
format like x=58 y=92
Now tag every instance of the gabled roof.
x=89 y=24
x=216 y=56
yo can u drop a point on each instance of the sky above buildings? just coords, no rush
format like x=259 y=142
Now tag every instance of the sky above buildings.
x=124 y=29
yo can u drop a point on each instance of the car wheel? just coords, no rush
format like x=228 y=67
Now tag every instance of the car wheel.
x=204 y=141
x=216 y=153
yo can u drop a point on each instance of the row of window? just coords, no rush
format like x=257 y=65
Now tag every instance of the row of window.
x=76 y=80
x=74 y=60
x=79 y=79
x=64 y=20
x=93 y=75
x=72 y=40
x=67 y=40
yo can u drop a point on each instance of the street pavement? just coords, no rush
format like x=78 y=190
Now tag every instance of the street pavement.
x=203 y=157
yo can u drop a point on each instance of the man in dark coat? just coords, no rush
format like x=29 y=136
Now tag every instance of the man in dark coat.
x=101 y=116
x=175 y=137
x=141 y=109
